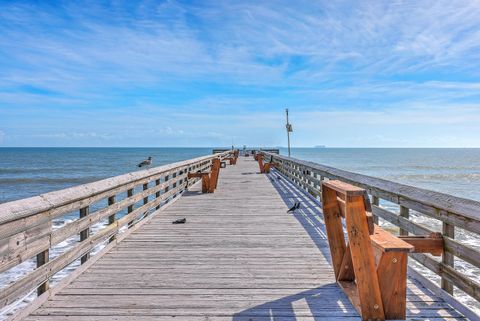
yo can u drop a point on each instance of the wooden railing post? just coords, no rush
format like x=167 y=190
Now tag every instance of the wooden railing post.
x=404 y=212
x=260 y=163
x=43 y=258
x=145 y=199
x=448 y=258
x=157 y=194
x=167 y=187
x=130 y=207
x=376 y=202
x=174 y=185
x=84 y=234
x=111 y=218
x=214 y=175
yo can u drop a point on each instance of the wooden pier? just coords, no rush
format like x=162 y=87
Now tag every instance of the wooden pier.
x=239 y=256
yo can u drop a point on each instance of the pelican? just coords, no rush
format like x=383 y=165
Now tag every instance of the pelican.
x=146 y=162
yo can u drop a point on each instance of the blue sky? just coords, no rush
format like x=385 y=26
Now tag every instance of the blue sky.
x=204 y=73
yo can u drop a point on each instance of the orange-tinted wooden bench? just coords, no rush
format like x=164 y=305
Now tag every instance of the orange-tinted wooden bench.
x=371 y=267
x=209 y=179
x=233 y=158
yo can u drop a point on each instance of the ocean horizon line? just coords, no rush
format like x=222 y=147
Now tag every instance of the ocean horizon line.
x=238 y=147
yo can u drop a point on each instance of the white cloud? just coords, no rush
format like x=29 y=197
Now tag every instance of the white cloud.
x=223 y=69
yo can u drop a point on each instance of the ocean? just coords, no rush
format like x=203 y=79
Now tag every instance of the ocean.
x=26 y=172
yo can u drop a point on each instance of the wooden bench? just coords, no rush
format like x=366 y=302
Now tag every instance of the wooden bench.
x=264 y=168
x=371 y=267
x=209 y=179
x=233 y=157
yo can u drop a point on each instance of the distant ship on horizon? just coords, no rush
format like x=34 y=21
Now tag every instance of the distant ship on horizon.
x=319 y=146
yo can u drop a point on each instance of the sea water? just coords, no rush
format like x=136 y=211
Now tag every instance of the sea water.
x=26 y=172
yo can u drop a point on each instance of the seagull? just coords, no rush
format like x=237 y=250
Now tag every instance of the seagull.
x=295 y=206
x=146 y=162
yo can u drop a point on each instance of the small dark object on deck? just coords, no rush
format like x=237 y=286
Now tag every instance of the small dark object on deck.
x=278 y=177
x=295 y=206
x=180 y=221
x=223 y=164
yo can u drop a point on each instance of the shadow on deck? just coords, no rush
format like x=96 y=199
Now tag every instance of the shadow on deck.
x=328 y=302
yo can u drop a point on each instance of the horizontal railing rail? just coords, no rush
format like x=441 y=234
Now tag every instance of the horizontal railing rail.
x=454 y=213
x=28 y=232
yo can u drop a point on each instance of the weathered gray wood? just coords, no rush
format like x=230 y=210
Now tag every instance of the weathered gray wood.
x=42 y=259
x=34 y=236
x=19 y=247
x=405 y=213
x=448 y=258
x=452 y=211
x=74 y=198
x=469 y=286
x=45 y=271
x=465 y=252
x=233 y=259
x=84 y=234
x=457 y=211
x=22 y=314
x=111 y=218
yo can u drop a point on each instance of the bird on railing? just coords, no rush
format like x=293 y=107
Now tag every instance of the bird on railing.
x=146 y=162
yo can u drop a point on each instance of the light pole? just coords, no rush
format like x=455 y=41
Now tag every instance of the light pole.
x=289 y=130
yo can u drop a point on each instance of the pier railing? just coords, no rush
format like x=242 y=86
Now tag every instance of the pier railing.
x=454 y=213
x=102 y=212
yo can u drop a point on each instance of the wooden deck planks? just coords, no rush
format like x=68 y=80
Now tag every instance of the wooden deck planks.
x=240 y=257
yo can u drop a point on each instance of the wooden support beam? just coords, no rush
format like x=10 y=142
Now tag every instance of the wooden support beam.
x=376 y=202
x=334 y=227
x=404 y=212
x=214 y=175
x=432 y=243
x=363 y=260
x=157 y=194
x=346 y=272
x=392 y=278
x=447 y=257
x=205 y=180
x=145 y=199
x=266 y=167
x=43 y=258
x=85 y=233
x=167 y=177
x=111 y=218
x=130 y=207
x=259 y=158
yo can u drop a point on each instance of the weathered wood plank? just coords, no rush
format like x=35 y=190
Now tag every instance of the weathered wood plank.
x=231 y=260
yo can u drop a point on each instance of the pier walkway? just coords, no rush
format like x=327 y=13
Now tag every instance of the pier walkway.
x=239 y=256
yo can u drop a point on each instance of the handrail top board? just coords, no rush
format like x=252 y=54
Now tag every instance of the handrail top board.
x=453 y=204
x=344 y=188
x=26 y=207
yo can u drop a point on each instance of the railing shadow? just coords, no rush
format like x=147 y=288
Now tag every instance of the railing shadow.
x=322 y=303
x=309 y=213
x=423 y=304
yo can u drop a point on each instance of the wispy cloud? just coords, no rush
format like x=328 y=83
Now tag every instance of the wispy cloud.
x=120 y=64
